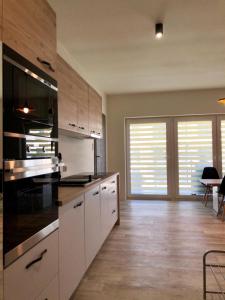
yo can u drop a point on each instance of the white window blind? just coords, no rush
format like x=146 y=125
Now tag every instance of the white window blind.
x=148 y=158
x=223 y=145
x=194 y=153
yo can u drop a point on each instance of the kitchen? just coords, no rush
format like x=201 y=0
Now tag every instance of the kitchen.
x=79 y=98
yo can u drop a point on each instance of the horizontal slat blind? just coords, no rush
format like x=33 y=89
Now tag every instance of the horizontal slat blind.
x=194 y=153
x=223 y=145
x=148 y=159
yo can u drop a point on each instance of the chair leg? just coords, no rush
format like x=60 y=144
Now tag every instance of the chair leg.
x=207 y=195
x=220 y=206
x=223 y=214
x=203 y=200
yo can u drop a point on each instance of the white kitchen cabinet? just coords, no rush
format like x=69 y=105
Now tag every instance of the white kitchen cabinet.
x=105 y=209
x=71 y=246
x=109 y=206
x=26 y=279
x=92 y=224
x=51 y=292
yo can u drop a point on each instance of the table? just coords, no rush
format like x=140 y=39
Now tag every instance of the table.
x=214 y=185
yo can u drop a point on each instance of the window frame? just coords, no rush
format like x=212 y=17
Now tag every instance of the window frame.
x=172 y=152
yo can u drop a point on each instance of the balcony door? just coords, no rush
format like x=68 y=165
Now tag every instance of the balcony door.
x=166 y=156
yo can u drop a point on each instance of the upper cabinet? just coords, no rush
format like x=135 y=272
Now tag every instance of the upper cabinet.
x=95 y=112
x=29 y=27
x=1 y=11
x=67 y=105
x=80 y=107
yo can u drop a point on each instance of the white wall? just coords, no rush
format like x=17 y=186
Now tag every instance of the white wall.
x=152 y=104
x=78 y=154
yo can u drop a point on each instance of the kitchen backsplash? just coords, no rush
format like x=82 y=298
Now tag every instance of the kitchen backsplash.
x=77 y=154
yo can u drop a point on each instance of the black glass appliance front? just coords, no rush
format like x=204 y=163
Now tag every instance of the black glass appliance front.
x=30 y=204
x=29 y=98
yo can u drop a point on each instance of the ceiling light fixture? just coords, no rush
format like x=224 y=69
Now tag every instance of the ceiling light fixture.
x=221 y=101
x=158 y=31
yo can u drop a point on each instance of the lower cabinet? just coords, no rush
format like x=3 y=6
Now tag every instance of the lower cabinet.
x=92 y=224
x=28 y=277
x=51 y=292
x=71 y=246
x=109 y=209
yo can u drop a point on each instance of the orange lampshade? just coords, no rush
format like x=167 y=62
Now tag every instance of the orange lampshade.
x=221 y=101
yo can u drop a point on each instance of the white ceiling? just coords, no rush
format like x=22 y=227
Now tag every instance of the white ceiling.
x=114 y=43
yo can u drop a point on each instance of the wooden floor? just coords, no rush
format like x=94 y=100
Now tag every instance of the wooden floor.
x=156 y=253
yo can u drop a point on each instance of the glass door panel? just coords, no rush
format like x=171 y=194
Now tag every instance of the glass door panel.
x=147 y=158
x=195 y=151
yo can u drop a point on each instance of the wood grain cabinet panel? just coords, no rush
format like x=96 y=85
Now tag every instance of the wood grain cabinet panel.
x=81 y=98
x=73 y=99
x=95 y=112
x=29 y=27
x=1 y=20
x=67 y=105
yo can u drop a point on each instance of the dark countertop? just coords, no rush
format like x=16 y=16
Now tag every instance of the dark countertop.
x=67 y=194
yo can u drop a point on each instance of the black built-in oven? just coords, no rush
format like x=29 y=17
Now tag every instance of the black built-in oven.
x=30 y=150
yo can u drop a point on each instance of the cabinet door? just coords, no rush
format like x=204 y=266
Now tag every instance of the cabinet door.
x=92 y=224
x=67 y=105
x=105 y=210
x=51 y=292
x=71 y=246
x=27 y=277
x=95 y=112
x=29 y=27
x=81 y=96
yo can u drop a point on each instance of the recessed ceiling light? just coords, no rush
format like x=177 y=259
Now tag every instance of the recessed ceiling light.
x=158 y=31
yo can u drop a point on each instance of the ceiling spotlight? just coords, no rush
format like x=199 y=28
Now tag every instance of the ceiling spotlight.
x=158 y=31
x=221 y=101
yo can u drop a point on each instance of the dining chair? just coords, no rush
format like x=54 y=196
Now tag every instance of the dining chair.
x=209 y=173
x=221 y=192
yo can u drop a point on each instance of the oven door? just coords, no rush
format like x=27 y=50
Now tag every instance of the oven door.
x=30 y=213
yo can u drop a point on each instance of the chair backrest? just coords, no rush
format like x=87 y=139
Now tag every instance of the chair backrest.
x=222 y=187
x=210 y=173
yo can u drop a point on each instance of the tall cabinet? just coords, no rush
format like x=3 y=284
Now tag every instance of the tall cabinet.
x=29 y=27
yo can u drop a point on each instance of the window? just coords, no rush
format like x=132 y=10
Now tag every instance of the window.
x=148 y=158
x=166 y=156
x=222 y=126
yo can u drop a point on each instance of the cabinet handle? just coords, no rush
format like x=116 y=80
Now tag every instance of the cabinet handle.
x=78 y=204
x=96 y=193
x=113 y=181
x=46 y=63
x=104 y=188
x=36 y=260
x=81 y=127
x=113 y=212
x=72 y=124
x=113 y=192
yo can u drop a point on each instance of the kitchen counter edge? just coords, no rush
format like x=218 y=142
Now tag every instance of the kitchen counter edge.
x=67 y=194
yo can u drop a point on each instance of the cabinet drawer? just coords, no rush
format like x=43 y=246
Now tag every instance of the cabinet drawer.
x=25 y=278
x=51 y=292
